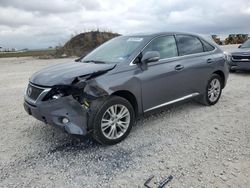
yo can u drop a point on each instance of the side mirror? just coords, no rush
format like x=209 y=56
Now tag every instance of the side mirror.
x=239 y=46
x=151 y=56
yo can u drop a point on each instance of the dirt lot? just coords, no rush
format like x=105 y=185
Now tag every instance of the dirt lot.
x=200 y=146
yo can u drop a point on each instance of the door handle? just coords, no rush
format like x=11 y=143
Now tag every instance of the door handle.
x=179 y=67
x=210 y=60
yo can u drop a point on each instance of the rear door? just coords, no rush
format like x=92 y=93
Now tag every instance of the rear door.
x=197 y=58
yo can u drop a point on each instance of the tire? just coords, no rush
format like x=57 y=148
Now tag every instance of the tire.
x=103 y=131
x=207 y=99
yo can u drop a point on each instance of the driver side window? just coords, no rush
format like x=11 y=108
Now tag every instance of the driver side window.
x=165 y=45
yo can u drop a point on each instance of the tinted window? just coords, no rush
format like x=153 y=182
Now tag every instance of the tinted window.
x=207 y=47
x=165 y=45
x=188 y=45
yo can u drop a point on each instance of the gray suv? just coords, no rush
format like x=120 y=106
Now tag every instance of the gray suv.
x=104 y=92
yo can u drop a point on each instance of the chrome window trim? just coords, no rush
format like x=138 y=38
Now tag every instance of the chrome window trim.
x=177 y=57
x=189 y=55
x=173 y=101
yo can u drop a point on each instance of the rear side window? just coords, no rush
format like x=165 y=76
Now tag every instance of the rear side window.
x=207 y=47
x=188 y=45
x=165 y=45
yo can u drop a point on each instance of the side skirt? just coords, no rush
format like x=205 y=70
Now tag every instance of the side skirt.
x=173 y=101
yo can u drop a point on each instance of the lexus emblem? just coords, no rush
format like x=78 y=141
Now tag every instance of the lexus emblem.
x=29 y=91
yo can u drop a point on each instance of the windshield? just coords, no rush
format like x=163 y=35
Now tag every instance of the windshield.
x=116 y=50
x=246 y=44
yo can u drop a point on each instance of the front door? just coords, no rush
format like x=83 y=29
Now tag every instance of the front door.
x=162 y=81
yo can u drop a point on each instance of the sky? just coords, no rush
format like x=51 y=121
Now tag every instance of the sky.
x=44 y=23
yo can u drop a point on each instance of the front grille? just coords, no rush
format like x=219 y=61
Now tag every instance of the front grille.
x=238 y=57
x=33 y=92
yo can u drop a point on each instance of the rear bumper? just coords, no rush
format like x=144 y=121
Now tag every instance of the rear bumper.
x=52 y=112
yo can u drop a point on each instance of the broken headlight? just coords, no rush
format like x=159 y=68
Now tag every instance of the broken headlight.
x=63 y=91
x=57 y=96
x=55 y=93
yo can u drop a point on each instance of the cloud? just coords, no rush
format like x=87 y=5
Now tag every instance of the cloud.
x=44 y=23
x=12 y=17
x=51 y=6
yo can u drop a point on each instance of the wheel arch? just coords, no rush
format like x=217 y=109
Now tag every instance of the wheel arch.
x=130 y=97
x=222 y=75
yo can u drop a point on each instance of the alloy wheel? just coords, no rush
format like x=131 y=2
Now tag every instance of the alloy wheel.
x=214 y=90
x=115 y=121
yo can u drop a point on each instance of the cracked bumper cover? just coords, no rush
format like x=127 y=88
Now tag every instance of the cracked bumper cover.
x=52 y=112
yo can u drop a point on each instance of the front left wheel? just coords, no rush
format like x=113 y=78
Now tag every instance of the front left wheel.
x=113 y=120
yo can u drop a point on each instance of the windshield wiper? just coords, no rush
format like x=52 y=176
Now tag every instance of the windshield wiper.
x=94 y=61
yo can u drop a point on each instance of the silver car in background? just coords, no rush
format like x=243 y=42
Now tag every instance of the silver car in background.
x=240 y=58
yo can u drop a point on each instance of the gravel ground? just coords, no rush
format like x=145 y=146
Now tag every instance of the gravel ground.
x=200 y=146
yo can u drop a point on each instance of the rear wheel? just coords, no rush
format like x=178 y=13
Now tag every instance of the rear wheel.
x=213 y=91
x=113 y=120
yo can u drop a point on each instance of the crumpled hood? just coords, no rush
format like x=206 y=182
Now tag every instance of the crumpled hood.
x=64 y=74
x=241 y=51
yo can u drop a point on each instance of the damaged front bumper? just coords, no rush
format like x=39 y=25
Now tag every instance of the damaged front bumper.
x=64 y=112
